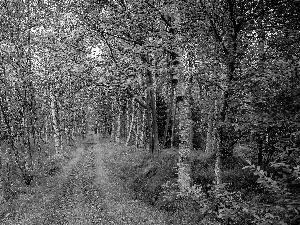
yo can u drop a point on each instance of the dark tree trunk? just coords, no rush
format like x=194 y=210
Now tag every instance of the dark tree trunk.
x=170 y=112
x=150 y=136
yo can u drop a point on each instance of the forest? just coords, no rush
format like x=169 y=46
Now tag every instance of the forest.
x=191 y=107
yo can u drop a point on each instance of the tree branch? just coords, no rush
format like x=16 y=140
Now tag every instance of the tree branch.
x=214 y=28
x=110 y=49
x=232 y=15
x=136 y=99
x=102 y=32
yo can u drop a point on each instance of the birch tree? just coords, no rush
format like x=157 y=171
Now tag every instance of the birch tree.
x=185 y=129
x=56 y=132
x=118 y=125
x=181 y=69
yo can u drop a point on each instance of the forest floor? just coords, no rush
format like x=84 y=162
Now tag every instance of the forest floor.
x=85 y=192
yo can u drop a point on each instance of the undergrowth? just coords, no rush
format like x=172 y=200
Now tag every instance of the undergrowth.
x=248 y=195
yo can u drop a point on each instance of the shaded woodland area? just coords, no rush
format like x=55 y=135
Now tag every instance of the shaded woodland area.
x=207 y=90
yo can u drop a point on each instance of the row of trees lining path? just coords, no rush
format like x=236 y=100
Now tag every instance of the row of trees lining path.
x=209 y=76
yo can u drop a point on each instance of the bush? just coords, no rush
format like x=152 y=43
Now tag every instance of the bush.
x=286 y=206
x=226 y=204
x=151 y=174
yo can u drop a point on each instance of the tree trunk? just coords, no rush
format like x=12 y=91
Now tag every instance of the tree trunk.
x=29 y=119
x=56 y=134
x=70 y=128
x=211 y=129
x=261 y=70
x=209 y=135
x=260 y=155
x=143 y=130
x=131 y=124
x=185 y=129
x=84 y=122
x=113 y=122
x=12 y=151
x=173 y=125
x=46 y=132
x=170 y=110
x=217 y=170
x=152 y=96
x=185 y=146
x=149 y=124
x=118 y=129
x=138 y=128
x=127 y=124
x=151 y=108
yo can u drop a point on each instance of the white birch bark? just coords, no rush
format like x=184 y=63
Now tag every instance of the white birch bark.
x=185 y=146
x=183 y=103
x=118 y=124
x=127 y=124
x=217 y=170
x=137 y=132
x=211 y=129
x=143 y=125
x=209 y=132
x=56 y=134
x=185 y=128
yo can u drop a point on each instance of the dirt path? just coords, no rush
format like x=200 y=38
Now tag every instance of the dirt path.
x=85 y=193
x=70 y=198
x=79 y=199
x=119 y=204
